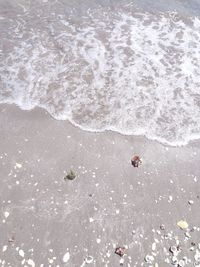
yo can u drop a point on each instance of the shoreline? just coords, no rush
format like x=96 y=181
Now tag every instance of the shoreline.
x=160 y=141
x=109 y=204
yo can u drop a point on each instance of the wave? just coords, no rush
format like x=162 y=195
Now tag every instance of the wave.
x=136 y=73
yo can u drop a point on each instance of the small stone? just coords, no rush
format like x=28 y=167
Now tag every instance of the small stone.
x=70 y=176
x=120 y=251
x=191 y=202
x=162 y=227
x=182 y=224
x=18 y=165
x=136 y=161
x=21 y=253
x=66 y=257
x=121 y=262
x=193 y=244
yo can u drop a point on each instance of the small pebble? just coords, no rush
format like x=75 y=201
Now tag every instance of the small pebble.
x=162 y=227
x=191 y=202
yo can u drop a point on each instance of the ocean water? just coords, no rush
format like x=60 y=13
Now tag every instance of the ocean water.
x=129 y=67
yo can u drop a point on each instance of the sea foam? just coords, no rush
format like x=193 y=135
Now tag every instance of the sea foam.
x=133 y=72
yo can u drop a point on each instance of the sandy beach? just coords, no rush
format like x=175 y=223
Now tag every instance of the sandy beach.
x=47 y=221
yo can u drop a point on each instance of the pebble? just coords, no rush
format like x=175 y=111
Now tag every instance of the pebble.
x=162 y=227
x=191 y=202
x=21 y=253
x=66 y=257
x=182 y=224
x=18 y=165
x=121 y=262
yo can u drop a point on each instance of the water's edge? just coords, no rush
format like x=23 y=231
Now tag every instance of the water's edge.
x=74 y=124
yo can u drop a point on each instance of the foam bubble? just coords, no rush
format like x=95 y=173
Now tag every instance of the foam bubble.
x=127 y=71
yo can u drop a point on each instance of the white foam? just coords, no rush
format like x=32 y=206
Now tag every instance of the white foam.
x=130 y=72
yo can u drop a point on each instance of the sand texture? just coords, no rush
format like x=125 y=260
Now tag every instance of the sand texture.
x=48 y=221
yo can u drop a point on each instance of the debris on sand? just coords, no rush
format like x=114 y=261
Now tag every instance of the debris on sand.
x=121 y=262
x=136 y=161
x=190 y=202
x=173 y=250
x=182 y=224
x=120 y=251
x=149 y=258
x=162 y=227
x=66 y=257
x=70 y=176
x=12 y=239
x=89 y=259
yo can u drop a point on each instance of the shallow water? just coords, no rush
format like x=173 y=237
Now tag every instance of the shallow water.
x=110 y=65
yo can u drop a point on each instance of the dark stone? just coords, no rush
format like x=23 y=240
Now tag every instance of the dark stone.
x=120 y=251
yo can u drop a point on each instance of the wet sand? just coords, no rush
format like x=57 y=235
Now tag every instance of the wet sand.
x=47 y=221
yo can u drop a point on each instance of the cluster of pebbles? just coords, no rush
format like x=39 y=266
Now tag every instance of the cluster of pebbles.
x=178 y=248
x=183 y=251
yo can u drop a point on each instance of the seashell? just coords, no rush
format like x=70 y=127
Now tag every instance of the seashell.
x=149 y=258
x=173 y=250
x=89 y=259
x=182 y=224
x=181 y=263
